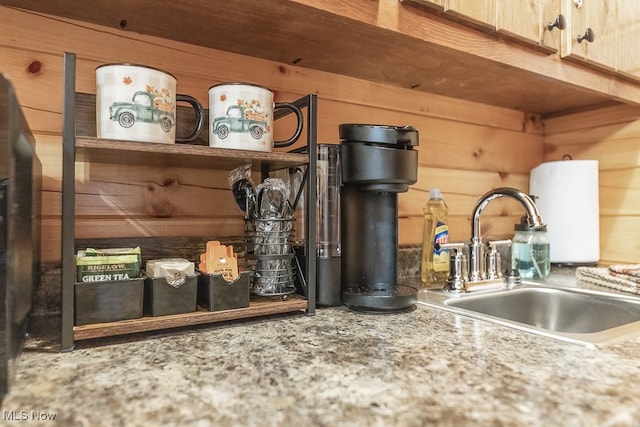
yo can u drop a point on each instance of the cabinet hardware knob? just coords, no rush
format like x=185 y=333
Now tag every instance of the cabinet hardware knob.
x=589 y=36
x=560 y=23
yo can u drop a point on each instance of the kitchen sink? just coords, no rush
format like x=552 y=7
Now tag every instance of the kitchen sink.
x=591 y=318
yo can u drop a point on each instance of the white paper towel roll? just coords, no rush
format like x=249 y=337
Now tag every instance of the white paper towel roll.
x=568 y=199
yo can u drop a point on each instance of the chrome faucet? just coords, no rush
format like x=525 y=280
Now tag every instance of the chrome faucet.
x=484 y=269
x=477 y=269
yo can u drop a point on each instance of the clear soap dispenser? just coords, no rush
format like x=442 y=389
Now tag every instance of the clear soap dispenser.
x=530 y=251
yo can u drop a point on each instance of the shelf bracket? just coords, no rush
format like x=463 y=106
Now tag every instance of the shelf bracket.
x=310 y=103
x=68 y=199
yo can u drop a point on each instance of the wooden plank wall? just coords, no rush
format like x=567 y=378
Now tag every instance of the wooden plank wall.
x=611 y=136
x=465 y=148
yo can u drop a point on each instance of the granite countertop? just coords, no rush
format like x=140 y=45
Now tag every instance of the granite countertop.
x=337 y=368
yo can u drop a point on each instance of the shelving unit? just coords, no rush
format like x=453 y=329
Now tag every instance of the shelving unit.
x=92 y=149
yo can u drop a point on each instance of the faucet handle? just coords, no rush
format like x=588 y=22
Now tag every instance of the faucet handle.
x=455 y=246
x=493 y=258
x=492 y=245
x=458 y=267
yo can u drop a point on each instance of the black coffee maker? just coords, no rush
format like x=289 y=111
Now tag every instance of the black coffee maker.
x=377 y=163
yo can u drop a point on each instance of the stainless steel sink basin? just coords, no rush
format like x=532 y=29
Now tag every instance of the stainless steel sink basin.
x=591 y=318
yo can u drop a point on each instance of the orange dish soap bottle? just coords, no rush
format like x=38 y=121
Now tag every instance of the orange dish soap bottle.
x=435 y=262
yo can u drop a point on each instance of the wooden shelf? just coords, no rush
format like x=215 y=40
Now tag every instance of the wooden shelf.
x=384 y=42
x=259 y=306
x=196 y=155
x=179 y=155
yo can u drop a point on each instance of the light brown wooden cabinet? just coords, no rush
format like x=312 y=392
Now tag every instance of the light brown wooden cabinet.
x=480 y=12
x=592 y=31
x=529 y=20
x=628 y=38
x=524 y=20
x=615 y=26
x=599 y=33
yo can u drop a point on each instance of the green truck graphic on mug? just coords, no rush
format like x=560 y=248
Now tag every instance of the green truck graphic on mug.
x=150 y=106
x=242 y=117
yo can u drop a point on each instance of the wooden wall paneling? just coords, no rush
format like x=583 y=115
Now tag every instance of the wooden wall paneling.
x=620 y=193
x=443 y=143
x=49 y=152
x=619 y=239
x=467 y=182
x=113 y=190
x=472 y=147
x=492 y=228
x=466 y=147
x=36 y=76
x=146 y=227
x=612 y=137
x=591 y=119
x=615 y=146
x=458 y=138
x=461 y=189
x=604 y=132
x=51 y=243
x=132 y=228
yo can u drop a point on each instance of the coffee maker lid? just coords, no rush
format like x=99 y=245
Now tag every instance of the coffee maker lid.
x=381 y=134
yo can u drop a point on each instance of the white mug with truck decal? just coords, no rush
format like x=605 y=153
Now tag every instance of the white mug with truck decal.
x=241 y=117
x=138 y=103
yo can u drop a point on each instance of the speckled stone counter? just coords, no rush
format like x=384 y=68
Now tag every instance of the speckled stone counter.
x=337 y=368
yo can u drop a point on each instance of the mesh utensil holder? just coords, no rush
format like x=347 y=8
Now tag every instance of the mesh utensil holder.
x=270 y=256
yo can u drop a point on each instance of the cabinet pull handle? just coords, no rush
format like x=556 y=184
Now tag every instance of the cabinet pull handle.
x=589 y=36
x=560 y=23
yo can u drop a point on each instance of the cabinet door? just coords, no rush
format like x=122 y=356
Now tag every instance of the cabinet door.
x=601 y=18
x=481 y=13
x=519 y=18
x=430 y=5
x=550 y=11
x=527 y=20
x=629 y=38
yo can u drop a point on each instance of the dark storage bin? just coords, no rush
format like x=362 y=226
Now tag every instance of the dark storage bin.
x=216 y=294
x=102 y=302
x=162 y=299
